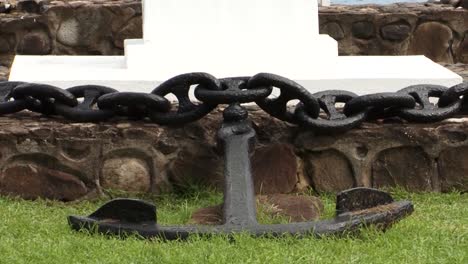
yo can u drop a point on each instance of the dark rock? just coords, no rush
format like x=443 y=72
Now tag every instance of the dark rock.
x=333 y=29
x=453 y=169
x=329 y=170
x=445 y=2
x=274 y=169
x=197 y=164
x=132 y=30
x=363 y=30
x=409 y=167
x=298 y=208
x=212 y=215
x=4 y=73
x=5 y=7
x=454 y=3
x=454 y=136
x=463 y=3
x=31 y=181
x=395 y=32
x=75 y=150
x=167 y=145
x=29 y=6
x=459 y=68
x=37 y=43
x=5 y=46
x=87 y=27
x=432 y=39
x=462 y=50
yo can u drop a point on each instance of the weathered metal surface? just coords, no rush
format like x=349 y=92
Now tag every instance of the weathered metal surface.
x=115 y=218
x=411 y=103
x=356 y=208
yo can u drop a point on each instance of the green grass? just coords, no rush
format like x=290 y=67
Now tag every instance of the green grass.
x=37 y=232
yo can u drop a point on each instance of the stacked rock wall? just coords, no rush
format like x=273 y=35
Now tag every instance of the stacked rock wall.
x=99 y=27
x=440 y=32
x=52 y=158
x=92 y=27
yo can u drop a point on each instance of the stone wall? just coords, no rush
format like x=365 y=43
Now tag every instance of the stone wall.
x=92 y=27
x=52 y=158
x=438 y=31
x=98 y=27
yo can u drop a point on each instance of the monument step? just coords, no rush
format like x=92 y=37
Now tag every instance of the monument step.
x=360 y=74
x=313 y=55
x=229 y=38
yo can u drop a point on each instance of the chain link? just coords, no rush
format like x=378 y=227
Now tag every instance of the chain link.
x=84 y=111
x=234 y=90
x=328 y=111
x=187 y=111
x=336 y=120
x=289 y=91
x=8 y=106
x=428 y=111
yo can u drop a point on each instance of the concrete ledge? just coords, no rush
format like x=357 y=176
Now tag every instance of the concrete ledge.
x=51 y=158
x=360 y=74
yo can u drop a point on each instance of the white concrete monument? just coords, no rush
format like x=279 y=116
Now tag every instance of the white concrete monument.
x=229 y=38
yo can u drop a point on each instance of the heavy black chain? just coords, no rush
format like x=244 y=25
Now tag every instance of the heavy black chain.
x=327 y=111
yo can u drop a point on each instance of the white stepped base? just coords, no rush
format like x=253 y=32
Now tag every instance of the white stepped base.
x=289 y=58
x=359 y=74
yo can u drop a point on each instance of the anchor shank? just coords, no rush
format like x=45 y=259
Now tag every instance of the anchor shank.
x=237 y=139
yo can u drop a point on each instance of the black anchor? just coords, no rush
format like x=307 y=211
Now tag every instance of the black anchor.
x=355 y=208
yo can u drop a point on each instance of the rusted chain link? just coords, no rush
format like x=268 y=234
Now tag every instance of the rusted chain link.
x=317 y=111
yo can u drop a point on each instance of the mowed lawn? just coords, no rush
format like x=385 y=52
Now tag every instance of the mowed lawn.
x=37 y=232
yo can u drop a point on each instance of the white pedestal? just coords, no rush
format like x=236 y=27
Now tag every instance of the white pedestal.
x=298 y=60
x=233 y=38
x=360 y=74
x=253 y=21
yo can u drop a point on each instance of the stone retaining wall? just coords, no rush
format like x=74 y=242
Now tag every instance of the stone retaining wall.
x=98 y=27
x=438 y=31
x=92 y=27
x=51 y=158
